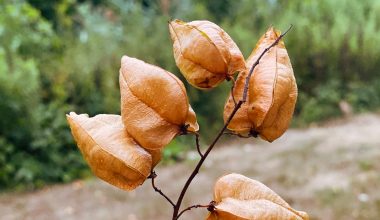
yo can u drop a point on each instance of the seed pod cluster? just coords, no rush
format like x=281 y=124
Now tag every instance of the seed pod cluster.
x=272 y=92
x=123 y=150
x=239 y=197
x=205 y=53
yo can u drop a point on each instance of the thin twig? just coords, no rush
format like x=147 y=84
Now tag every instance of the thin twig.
x=192 y=207
x=232 y=90
x=258 y=61
x=196 y=170
x=153 y=175
x=203 y=158
x=198 y=145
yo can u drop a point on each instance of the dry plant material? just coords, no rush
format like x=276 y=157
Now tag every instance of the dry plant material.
x=123 y=150
x=154 y=104
x=272 y=93
x=205 y=53
x=239 y=197
x=272 y=88
x=111 y=153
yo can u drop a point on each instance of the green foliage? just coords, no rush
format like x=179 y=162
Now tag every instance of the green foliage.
x=323 y=105
x=63 y=55
x=334 y=48
x=35 y=144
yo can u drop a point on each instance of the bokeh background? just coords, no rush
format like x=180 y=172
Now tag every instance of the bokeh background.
x=59 y=56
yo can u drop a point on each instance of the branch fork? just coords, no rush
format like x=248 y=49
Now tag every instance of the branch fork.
x=210 y=207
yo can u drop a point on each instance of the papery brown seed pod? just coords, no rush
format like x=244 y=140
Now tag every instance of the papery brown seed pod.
x=154 y=104
x=272 y=88
x=111 y=153
x=204 y=52
x=272 y=92
x=239 y=197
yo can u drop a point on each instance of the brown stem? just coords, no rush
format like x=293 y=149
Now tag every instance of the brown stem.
x=177 y=205
x=196 y=170
x=203 y=158
x=198 y=145
x=153 y=175
x=232 y=91
x=192 y=207
x=245 y=93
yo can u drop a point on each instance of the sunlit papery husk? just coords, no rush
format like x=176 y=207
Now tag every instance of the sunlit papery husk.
x=239 y=197
x=111 y=153
x=204 y=52
x=154 y=104
x=240 y=123
x=272 y=88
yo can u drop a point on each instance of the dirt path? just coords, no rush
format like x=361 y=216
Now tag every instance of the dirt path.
x=332 y=172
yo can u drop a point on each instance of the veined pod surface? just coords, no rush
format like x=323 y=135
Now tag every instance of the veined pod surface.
x=111 y=153
x=154 y=104
x=239 y=197
x=204 y=52
x=272 y=88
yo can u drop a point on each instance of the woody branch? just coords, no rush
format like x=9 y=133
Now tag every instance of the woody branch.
x=177 y=205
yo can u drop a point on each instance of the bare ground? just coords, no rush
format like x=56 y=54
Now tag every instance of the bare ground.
x=331 y=172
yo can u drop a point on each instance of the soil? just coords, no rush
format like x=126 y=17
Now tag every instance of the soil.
x=331 y=172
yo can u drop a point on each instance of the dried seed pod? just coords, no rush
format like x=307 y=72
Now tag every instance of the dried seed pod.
x=111 y=153
x=154 y=104
x=272 y=88
x=239 y=197
x=204 y=52
x=272 y=92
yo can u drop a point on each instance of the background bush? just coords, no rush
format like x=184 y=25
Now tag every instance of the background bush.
x=63 y=55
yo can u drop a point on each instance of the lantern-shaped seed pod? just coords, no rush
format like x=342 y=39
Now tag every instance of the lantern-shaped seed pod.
x=272 y=92
x=205 y=53
x=111 y=153
x=239 y=197
x=154 y=104
x=272 y=88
